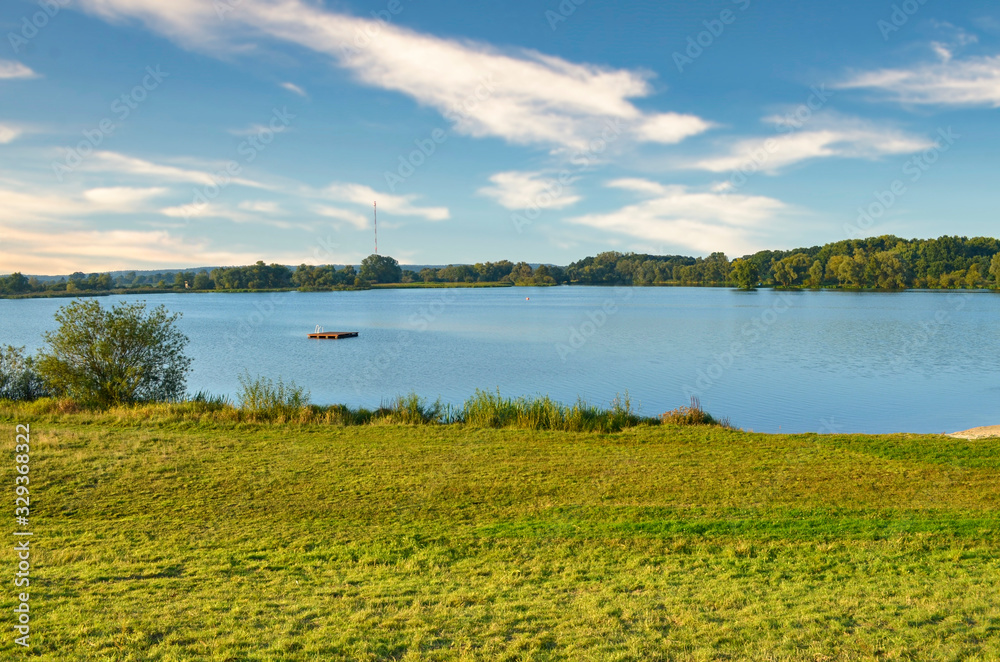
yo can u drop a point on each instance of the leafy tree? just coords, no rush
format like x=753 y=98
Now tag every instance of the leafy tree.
x=974 y=277
x=380 y=269
x=995 y=269
x=835 y=268
x=116 y=356
x=716 y=269
x=789 y=271
x=203 y=281
x=745 y=274
x=887 y=270
x=457 y=273
x=522 y=273
x=183 y=277
x=105 y=282
x=16 y=283
x=816 y=274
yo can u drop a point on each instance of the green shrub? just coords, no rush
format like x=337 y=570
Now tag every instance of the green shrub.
x=118 y=356
x=692 y=415
x=18 y=378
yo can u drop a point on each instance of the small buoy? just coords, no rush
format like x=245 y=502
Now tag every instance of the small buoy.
x=527 y=298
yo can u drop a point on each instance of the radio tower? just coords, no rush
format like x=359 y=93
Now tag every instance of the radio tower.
x=375 y=214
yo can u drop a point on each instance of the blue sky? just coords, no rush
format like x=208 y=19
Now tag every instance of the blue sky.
x=152 y=134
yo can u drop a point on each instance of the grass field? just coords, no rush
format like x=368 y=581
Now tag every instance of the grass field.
x=172 y=539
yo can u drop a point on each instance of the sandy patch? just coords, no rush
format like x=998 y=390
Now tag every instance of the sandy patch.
x=978 y=433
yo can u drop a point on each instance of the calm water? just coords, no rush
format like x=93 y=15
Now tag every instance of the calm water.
x=806 y=361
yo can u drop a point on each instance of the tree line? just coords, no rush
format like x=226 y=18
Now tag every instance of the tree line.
x=886 y=262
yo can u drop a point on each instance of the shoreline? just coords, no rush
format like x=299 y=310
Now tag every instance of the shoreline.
x=483 y=285
x=981 y=432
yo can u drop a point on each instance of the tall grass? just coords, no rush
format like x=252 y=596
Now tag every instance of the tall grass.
x=491 y=410
x=264 y=399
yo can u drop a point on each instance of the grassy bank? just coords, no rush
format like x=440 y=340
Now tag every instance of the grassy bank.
x=164 y=537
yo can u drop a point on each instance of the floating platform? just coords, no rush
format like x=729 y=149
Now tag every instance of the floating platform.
x=334 y=335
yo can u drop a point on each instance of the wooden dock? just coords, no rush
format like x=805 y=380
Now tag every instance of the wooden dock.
x=334 y=335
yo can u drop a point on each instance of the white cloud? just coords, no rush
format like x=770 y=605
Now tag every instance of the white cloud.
x=45 y=251
x=972 y=81
x=401 y=205
x=22 y=203
x=292 y=87
x=252 y=212
x=525 y=190
x=260 y=206
x=360 y=221
x=670 y=128
x=126 y=165
x=9 y=133
x=11 y=69
x=828 y=136
x=521 y=96
x=122 y=165
x=258 y=130
x=676 y=215
x=121 y=197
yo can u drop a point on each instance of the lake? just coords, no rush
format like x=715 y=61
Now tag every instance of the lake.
x=829 y=361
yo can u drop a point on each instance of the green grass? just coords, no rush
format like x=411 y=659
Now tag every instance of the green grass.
x=171 y=534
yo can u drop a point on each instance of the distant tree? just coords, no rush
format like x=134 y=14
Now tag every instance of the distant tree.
x=457 y=273
x=16 y=283
x=202 y=281
x=952 y=280
x=887 y=270
x=835 y=268
x=428 y=275
x=716 y=268
x=790 y=270
x=851 y=270
x=782 y=273
x=995 y=270
x=105 y=282
x=974 y=277
x=816 y=274
x=521 y=273
x=745 y=274
x=116 y=356
x=380 y=269
x=543 y=275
